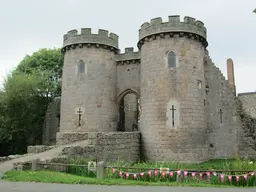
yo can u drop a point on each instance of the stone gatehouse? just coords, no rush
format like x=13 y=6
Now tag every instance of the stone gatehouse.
x=169 y=90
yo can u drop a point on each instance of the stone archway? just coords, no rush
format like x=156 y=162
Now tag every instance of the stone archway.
x=128 y=102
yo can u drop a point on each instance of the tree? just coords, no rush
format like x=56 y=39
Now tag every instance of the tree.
x=254 y=11
x=46 y=64
x=27 y=92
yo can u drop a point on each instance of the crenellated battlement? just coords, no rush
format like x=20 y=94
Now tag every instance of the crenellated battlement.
x=189 y=26
x=128 y=57
x=102 y=38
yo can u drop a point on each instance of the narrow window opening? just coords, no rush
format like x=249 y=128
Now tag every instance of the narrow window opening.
x=199 y=84
x=81 y=67
x=207 y=89
x=221 y=116
x=171 y=59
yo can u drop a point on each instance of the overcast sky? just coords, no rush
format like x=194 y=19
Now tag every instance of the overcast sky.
x=28 y=25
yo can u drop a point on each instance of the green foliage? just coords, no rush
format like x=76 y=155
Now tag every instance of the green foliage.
x=47 y=65
x=80 y=171
x=26 y=93
x=23 y=110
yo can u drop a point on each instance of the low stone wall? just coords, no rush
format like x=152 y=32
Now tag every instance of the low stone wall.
x=114 y=146
x=70 y=137
x=51 y=163
x=38 y=148
x=88 y=152
x=10 y=157
x=110 y=147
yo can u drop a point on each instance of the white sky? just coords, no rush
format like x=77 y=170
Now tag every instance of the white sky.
x=28 y=25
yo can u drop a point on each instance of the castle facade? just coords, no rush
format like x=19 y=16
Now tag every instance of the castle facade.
x=187 y=108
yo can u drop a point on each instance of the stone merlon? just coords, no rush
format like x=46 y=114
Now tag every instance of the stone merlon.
x=86 y=37
x=189 y=26
x=128 y=55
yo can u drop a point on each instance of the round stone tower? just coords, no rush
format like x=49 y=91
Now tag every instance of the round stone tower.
x=172 y=92
x=89 y=82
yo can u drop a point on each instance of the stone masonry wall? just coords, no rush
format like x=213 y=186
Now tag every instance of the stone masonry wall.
x=248 y=103
x=115 y=146
x=162 y=87
x=110 y=147
x=94 y=91
x=64 y=138
x=220 y=104
x=51 y=123
x=128 y=77
x=247 y=132
x=130 y=103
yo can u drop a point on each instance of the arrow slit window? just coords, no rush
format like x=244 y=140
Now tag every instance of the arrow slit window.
x=172 y=59
x=81 y=67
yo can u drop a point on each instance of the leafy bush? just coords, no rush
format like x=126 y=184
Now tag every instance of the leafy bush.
x=80 y=171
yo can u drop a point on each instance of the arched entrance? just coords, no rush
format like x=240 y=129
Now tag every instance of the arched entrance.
x=128 y=102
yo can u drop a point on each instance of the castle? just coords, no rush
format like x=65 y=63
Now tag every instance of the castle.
x=188 y=110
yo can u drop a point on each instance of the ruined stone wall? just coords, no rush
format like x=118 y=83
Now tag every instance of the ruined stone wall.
x=247 y=132
x=51 y=123
x=221 y=114
x=248 y=103
x=130 y=103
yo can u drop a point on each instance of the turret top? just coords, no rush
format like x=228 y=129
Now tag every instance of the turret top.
x=103 y=38
x=156 y=26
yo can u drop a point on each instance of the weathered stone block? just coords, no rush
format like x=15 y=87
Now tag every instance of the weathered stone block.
x=70 y=137
x=38 y=148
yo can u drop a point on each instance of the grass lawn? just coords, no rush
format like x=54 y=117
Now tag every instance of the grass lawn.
x=79 y=175
x=56 y=177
